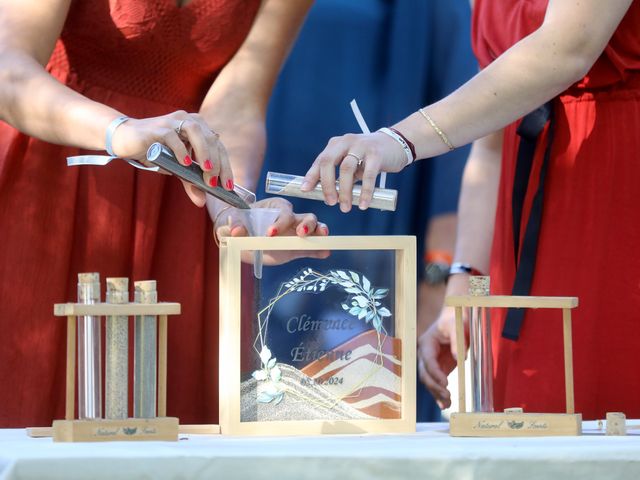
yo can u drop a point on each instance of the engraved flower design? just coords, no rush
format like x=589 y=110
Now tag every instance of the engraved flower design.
x=363 y=302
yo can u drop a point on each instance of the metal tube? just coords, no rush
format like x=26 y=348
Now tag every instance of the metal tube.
x=117 y=353
x=145 y=353
x=289 y=185
x=89 y=350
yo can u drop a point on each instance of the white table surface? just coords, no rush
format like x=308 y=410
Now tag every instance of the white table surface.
x=428 y=454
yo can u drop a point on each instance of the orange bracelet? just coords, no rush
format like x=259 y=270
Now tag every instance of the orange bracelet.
x=438 y=256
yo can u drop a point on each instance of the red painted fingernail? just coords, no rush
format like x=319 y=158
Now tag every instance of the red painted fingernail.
x=273 y=232
x=187 y=160
x=208 y=165
x=213 y=181
x=229 y=184
x=305 y=229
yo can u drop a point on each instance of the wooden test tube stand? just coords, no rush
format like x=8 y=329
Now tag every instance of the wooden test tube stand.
x=514 y=423
x=130 y=429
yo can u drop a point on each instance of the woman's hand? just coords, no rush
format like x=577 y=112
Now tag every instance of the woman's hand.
x=437 y=347
x=437 y=356
x=230 y=222
x=360 y=156
x=190 y=139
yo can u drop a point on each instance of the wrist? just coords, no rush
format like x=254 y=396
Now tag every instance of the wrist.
x=407 y=146
x=110 y=132
x=437 y=264
x=459 y=268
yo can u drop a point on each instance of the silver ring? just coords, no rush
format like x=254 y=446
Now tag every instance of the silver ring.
x=178 y=129
x=360 y=160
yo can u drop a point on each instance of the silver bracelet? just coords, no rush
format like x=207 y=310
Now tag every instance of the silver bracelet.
x=110 y=131
x=400 y=140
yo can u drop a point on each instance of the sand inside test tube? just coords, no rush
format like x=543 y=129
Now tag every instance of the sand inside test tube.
x=290 y=185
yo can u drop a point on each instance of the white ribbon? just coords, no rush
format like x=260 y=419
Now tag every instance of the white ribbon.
x=102 y=160
x=365 y=129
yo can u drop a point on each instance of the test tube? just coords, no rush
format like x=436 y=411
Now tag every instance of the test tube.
x=145 y=353
x=117 y=352
x=89 y=354
x=289 y=185
x=480 y=355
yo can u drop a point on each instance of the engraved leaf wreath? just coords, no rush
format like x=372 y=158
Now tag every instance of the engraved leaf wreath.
x=363 y=302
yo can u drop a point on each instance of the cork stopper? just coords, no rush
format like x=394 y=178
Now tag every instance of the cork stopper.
x=88 y=287
x=479 y=286
x=117 y=290
x=86 y=278
x=145 y=291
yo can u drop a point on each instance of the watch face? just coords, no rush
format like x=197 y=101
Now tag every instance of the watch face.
x=436 y=273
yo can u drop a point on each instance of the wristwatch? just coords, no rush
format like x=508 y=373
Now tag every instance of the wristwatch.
x=458 y=267
x=436 y=267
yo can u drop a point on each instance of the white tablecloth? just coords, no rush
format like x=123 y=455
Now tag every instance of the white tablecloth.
x=428 y=454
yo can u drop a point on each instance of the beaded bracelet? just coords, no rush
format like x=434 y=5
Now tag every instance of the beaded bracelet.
x=407 y=146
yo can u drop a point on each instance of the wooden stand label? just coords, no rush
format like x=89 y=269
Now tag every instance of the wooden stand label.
x=165 y=428
x=514 y=424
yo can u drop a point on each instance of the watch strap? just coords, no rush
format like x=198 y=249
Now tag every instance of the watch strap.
x=458 y=267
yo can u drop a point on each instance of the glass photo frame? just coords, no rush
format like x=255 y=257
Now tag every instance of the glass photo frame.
x=324 y=342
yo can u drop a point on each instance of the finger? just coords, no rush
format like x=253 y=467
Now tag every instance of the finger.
x=212 y=165
x=434 y=387
x=440 y=393
x=171 y=140
x=226 y=174
x=371 y=170
x=192 y=131
x=451 y=333
x=311 y=177
x=197 y=196
x=348 y=169
x=285 y=221
x=328 y=159
x=223 y=231
x=322 y=230
x=306 y=224
x=429 y=352
x=239 y=231
x=176 y=145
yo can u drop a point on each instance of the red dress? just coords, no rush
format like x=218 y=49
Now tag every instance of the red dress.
x=144 y=58
x=590 y=230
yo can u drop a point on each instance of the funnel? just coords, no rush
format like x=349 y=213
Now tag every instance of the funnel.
x=257 y=221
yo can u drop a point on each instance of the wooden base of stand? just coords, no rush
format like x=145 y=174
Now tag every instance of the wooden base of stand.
x=129 y=429
x=197 y=429
x=515 y=424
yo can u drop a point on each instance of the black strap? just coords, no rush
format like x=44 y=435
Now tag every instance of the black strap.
x=529 y=131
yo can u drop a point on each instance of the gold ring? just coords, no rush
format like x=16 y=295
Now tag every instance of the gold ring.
x=360 y=160
x=178 y=130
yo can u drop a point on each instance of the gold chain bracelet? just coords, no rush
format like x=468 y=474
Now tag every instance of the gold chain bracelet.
x=437 y=129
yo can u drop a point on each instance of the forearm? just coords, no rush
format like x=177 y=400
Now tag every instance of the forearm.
x=440 y=236
x=534 y=70
x=478 y=199
x=244 y=86
x=38 y=105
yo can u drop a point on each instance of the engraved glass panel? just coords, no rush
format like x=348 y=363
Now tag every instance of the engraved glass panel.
x=318 y=339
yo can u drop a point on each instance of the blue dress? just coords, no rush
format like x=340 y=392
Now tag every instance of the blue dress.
x=392 y=57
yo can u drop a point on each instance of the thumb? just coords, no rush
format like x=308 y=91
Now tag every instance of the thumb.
x=451 y=333
x=195 y=195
